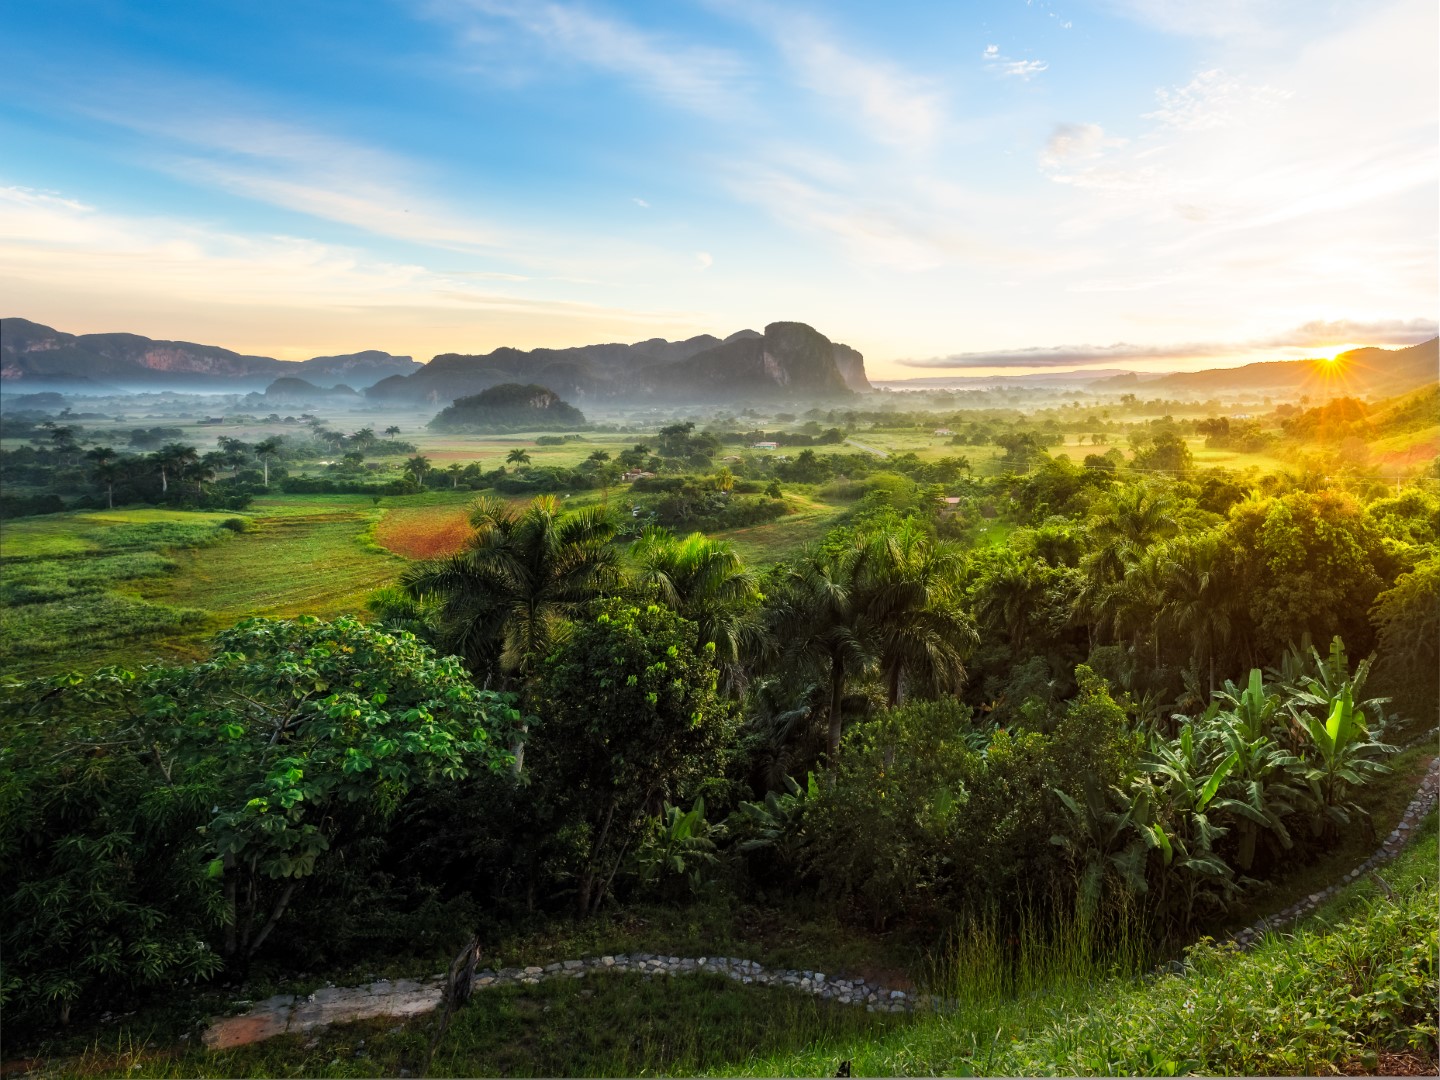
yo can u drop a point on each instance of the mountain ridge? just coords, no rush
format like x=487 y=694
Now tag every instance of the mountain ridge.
x=32 y=353
x=789 y=359
x=1369 y=371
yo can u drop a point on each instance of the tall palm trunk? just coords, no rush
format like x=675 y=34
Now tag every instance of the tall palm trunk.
x=895 y=685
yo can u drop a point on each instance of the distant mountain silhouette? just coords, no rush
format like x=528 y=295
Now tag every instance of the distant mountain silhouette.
x=789 y=360
x=1369 y=372
x=32 y=354
x=291 y=389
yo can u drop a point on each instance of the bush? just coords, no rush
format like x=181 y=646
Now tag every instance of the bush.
x=145 y=810
x=14 y=506
x=632 y=719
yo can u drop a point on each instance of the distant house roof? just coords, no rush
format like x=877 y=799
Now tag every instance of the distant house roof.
x=765 y=446
x=943 y=431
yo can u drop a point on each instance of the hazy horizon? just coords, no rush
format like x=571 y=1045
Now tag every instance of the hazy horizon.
x=1025 y=188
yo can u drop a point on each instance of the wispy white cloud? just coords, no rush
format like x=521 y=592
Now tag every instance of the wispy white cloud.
x=201 y=133
x=892 y=105
x=1211 y=19
x=1212 y=99
x=48 y=238
x=642 y=203
x=1077 y=142
x=698 y=78
x=1023 y=69
x=704 y=260
x=1010 y=68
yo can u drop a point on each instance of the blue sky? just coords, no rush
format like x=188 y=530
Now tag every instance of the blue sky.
x=948 y=187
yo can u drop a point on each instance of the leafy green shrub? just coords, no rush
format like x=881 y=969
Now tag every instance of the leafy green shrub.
x=631 y=719
x=144 y=810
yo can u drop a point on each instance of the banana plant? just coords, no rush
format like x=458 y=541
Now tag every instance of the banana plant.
x=1340 y=755
x=678 y=843
x=1189 y=778
x=1257 y=709
x=774 y=824
x=1108 y=841
x=1314 y=682
x=1257 y=792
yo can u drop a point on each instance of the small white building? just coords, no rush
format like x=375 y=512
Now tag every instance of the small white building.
x=943 y=431
x=765 y=446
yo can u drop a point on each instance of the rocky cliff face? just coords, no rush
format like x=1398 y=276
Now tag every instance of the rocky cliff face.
x=851 y=366
x=788 y=360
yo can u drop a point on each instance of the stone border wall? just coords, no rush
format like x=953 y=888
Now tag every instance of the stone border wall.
x=1426 y=797
x=286 y=1014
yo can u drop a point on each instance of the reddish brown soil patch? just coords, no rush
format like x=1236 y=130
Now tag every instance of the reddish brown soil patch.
x=1393 y=1063
x=424 y=532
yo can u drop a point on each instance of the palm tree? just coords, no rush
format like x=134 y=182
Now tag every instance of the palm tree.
x=173 y=458
x=520 y=575
x=912 y=605
x=418 y=466
x=453 y=470
x=265 y=449
x=107 y=472
x=203 y=470
x=1194 y=601
x=1005 y=595
x=1135 y=519
x=236 y=452
x=518 y=456
x=101 y=455
x=818 y=619
x=705 y=581
x=392 y=430
x=608 y=473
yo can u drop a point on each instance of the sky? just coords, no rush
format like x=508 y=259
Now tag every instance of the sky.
x=1004 y=186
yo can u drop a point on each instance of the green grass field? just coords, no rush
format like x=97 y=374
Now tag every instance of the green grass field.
x=321 y=563
x=86 y=589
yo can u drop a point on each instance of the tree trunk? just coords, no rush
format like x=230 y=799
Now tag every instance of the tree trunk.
x=265 y=460
x=232 y=916
x=587 y=879
x=517 y=749
x=110 y=495
x=837 y=696
x=895 y=685
x=164 y=481
x=275 y=913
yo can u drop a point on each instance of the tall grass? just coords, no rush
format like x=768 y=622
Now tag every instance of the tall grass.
x=989 y=957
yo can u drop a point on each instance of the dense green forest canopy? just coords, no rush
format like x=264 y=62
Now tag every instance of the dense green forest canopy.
x=1127 y=690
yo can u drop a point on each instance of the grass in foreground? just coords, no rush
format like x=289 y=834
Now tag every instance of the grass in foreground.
x=1356 y=980
x=1353 y=985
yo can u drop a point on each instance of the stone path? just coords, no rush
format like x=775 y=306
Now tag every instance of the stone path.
x=1424 y=801
x=287 y=1014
